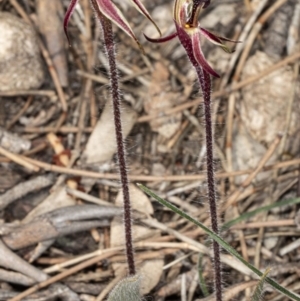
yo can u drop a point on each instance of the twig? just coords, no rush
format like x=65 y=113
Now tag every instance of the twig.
x=18 y=159
x=23 y=189
x=254 y=32
x=224 y=91
x=20 y=113
x=49 y=93
x=62 y=275
x=145 y=178
x=277 y=223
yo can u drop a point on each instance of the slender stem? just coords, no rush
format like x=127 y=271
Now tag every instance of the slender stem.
x=205 y=83
x=116 y=100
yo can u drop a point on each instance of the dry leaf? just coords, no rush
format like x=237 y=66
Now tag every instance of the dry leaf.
x=160 y=98
x=139 y=201
x=50 y=17
x=57 y=199
x=101 y=145
x=151 y=271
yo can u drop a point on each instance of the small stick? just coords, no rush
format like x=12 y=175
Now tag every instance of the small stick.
x=62 y=275
x=21 y=112
x=277 y=223
x=225 y=91
x=145 y=178
x=48 y=93
x=18 y=159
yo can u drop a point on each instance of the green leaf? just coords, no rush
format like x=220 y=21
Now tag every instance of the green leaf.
x=221 y=242
x=202 y=283
x=257 y=295
x=259 y=210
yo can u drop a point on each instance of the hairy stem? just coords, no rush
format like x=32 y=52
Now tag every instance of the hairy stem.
x=116 y=100
x=205 y=83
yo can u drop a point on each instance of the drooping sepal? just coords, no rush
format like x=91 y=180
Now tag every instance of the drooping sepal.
x=141 y=8
x=111 y=12
x=217 y=40
x=163 y=39
x=67 y=17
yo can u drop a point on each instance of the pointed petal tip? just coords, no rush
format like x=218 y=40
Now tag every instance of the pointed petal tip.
x=67 y=36
x=141 y=8
x=112 y=13
x=216 y=75
x=216 y=39
x=67 y=17
x=161 y=40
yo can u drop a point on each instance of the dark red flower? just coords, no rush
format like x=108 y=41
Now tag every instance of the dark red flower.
x=188 y=30
x=111 y=12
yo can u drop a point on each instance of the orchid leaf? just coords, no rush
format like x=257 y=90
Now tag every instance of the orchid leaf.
x=260 y=286
x=221 y=242
x=126 y=289
x=259 y=210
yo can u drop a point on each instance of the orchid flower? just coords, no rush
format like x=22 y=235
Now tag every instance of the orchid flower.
x=112 y=13
x=188 y=30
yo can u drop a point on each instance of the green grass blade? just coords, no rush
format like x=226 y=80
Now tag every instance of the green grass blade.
x=202 y=283
x=259 y=210
x=257 y=295
x=221 y=242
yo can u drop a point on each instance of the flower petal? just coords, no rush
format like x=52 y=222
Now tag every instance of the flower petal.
x=67 y=17
x=194 y=13
x=217 y=39
x=199 y=55
x=162 y=40
x=141 y=8
x=186 y=42
x=181 y=11
x=111 y=12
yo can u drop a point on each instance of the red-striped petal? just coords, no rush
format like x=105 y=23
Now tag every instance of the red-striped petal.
x=141 y=8
x=199 y=56
x=218 y=40
x=111 y=12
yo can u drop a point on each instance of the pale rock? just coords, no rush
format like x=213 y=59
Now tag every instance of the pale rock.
x=264 y=104
x=21 y=67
